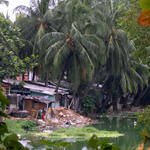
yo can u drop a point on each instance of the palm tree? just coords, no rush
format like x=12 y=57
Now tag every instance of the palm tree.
x=121 y=75
x=34 y=21
x=62 y=48
x=70 y=54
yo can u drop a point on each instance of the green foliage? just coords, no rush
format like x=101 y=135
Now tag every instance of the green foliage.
x=97 y=144
x=81 y=41
x=3 y=128
x=88 y=104
x=30 y=62
x=128 y=21
x=10 y=43
x=66 y=53
x=94 y=142
x=9 y=142
x=79 y=133
x=144 y=121
x=11 y=47
x=56 y=145
x=3 y=101
x=15 y=126
x=145 y=4
x=29 y=124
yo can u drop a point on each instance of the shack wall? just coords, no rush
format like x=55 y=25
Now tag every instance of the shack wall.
x=30 y=104
x=37 y=105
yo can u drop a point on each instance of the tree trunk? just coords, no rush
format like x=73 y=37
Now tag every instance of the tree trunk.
x=33 y=77
x=141 y=96
x=23 y=77
x=114 y=103
x=85 y=92
x=124 y=100
x=104 y=103
x=62 y=73
x=76 y=104
x=46 y=80
x=58 y=83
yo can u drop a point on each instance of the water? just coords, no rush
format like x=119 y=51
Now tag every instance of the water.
x=125 y=125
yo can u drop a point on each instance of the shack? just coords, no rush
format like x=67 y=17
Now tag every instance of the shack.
x=32 y=96
x=34 y=104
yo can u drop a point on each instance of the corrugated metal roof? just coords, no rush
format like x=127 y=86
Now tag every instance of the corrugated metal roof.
x=37 y=88
x=39 y=99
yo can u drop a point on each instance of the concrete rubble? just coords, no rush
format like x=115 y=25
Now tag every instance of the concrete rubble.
x=61 y=117
x=64 y=116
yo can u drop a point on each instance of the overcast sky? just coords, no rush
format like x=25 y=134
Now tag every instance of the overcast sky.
x=12 y=5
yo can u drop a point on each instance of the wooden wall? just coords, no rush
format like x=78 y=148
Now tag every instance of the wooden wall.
x=30 y=104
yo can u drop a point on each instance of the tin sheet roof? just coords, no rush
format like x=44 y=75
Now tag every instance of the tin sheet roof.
x=38 y=88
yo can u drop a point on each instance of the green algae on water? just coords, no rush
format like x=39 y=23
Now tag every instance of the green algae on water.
x=80 y=133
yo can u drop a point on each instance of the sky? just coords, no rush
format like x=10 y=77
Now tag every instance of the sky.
x=12 y=4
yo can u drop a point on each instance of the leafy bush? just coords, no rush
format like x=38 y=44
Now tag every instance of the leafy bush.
x=88 y=104
x=98 y=144
x=29 y=125
x=9 y=142
x=143 y=123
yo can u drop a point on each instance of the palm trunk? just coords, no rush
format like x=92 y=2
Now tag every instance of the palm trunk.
x=85 y=93
x=103 y=104
x=62 y=73
x=58 y=83
x=142 y=95
x=23 y=77
x=46 y=80
x=33 y=77
x=114 y=102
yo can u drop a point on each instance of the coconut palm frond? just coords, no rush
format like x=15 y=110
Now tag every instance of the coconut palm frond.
x=61 y=58
x=52 y=51
x=48 y=39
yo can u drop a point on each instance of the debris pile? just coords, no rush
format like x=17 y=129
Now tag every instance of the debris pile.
x=62 y=117
x=58 y=117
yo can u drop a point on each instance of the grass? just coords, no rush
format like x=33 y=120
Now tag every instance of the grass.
x=15 y=126
x=80 y=134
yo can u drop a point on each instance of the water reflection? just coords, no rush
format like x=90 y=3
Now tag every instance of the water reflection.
x=124 y=125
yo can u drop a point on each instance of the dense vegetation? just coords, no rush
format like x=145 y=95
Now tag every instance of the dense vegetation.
x=84 y=43
x=96 y=46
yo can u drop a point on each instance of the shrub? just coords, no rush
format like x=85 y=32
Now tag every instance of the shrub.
x=29 y=125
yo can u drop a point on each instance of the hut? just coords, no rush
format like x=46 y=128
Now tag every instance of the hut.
x=33 y=96
x=34 y=104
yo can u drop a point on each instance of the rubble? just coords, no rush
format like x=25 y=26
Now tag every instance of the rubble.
x=62 y=117
x=59 y=117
